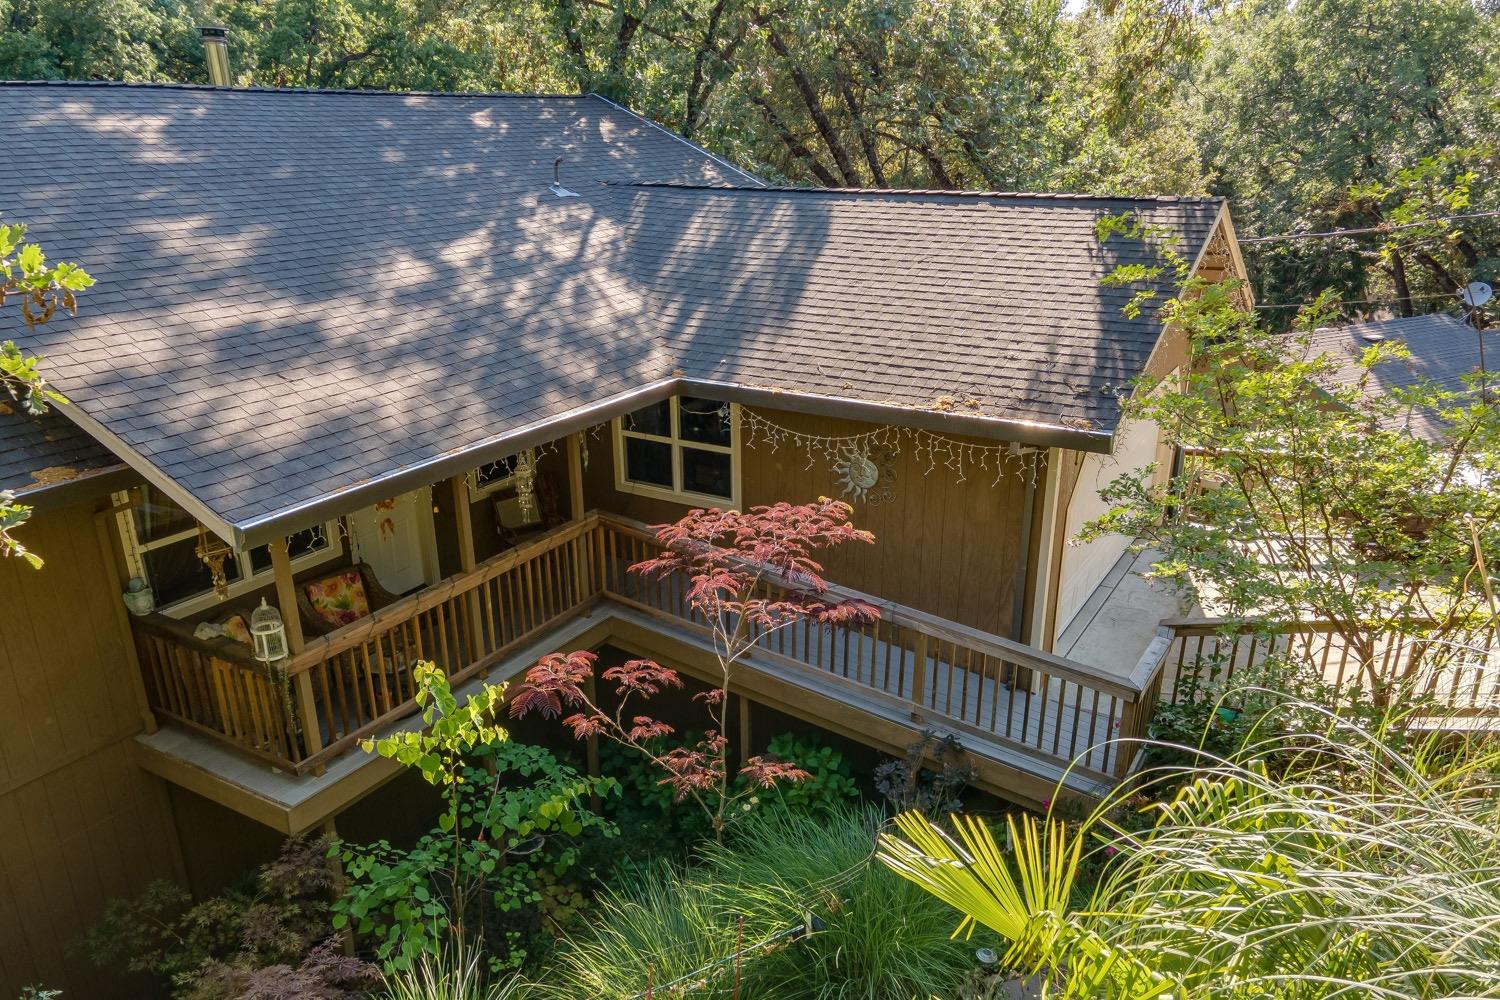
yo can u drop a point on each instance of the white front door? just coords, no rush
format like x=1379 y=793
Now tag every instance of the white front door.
x=395 y=537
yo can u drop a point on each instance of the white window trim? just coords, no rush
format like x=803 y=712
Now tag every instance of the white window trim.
x=248 y=581
x=677 y=494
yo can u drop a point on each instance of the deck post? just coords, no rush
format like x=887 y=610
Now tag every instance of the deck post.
x=114 y=557
x=575 y=476
x=286 y=601
x=746 y=746
x=463 y=522
x=919 y=672
x=581 y=583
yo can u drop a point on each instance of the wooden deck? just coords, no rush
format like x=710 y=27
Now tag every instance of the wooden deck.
x=1029 y=712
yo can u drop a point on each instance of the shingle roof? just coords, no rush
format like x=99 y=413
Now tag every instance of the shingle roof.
x=301 y=292
x=1443 y=350
x=37 y=453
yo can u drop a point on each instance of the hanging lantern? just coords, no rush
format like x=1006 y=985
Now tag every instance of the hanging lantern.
x=267 y=634
x=525 y=478
x=212 y=551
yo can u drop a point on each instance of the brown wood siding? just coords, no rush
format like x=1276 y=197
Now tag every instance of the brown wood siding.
x=943 y=546
x=80 y=823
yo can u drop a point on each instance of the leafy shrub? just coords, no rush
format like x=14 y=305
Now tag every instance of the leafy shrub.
x=649 y=812
x=828 y=787
x=882 y=939
x=510 y=853
x=273 y=931
x=908 y=784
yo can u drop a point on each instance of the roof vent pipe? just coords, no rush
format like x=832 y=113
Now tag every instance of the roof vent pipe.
x=216 y=54
x=557 y=184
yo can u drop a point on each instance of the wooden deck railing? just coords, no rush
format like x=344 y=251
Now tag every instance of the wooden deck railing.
x=1458 y=676
x=345 y=686
x=948 y=675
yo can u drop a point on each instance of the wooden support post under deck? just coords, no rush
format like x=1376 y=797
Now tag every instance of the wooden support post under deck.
x=592 y=750
x=286 y=601
x=746 y=747
x=463 y=523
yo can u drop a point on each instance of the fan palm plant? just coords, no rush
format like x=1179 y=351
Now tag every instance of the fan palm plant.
x=1355 y=870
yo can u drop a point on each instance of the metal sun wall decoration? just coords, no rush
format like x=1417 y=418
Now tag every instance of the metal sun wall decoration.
x=866 y=474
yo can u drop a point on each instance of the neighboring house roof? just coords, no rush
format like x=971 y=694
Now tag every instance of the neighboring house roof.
x=44 y=453
x=1443 y=350
x=307 y=297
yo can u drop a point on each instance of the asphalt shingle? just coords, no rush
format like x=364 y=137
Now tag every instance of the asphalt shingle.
x=301 y=291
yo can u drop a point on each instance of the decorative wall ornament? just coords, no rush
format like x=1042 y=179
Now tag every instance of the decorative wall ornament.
x=866 y=474
x=961 y=458
x=212 y=551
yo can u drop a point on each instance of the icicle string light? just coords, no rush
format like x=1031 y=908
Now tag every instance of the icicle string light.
x=931 y=450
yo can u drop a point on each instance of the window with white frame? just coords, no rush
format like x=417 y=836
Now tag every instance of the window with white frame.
x=685 y=449
x=160 y=541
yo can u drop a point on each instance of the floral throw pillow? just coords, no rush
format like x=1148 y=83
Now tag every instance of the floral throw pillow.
x=340 y=599
x=236 y=629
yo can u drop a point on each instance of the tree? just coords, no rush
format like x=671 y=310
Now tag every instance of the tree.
x=1305 y=496
x=1301 y=107
x=748 y=576
x=497 y=846
x=41 y=289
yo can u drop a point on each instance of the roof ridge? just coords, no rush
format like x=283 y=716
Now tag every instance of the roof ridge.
x=174 y=85
x=922 y=192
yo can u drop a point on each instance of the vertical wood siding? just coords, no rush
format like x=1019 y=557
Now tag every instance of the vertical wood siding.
x=80 y=823
x=949 y=548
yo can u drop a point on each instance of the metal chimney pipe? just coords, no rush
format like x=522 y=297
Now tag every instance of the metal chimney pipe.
x=216 y=54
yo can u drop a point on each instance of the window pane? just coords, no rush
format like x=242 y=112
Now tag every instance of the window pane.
x=648 y=462
x=654 y=419
x=158 y=517
x=175 y=572
x=703 y=420
x=308 y=540
x=707 y=472
x=494 y=472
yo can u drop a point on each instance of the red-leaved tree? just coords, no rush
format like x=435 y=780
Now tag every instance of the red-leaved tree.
x=749 y=574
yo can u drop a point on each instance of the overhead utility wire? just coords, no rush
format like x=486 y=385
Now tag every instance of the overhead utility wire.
x=1369 y=229
x=1362 y=302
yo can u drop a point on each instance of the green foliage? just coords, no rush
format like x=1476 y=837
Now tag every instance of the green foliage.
x=1303 y=108
x=497 y=866
x=455 y=974
x=41 y=288
x=1306 y=495
x=1316 y=864
x=273 y=927
x=883 y=940
x=829 y=790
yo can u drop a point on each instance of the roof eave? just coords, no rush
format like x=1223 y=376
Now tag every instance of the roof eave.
x=291 y=519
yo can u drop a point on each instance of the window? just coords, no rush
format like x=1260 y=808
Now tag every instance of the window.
x=685 y=449
x=494 y=476
x=160 y=541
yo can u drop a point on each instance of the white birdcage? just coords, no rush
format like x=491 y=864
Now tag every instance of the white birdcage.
x=267 y=633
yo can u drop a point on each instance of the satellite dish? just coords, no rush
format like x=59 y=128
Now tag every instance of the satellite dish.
x=1476 y=294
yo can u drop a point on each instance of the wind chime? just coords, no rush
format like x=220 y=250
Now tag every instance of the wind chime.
x=525 y=480
x=212 y=551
